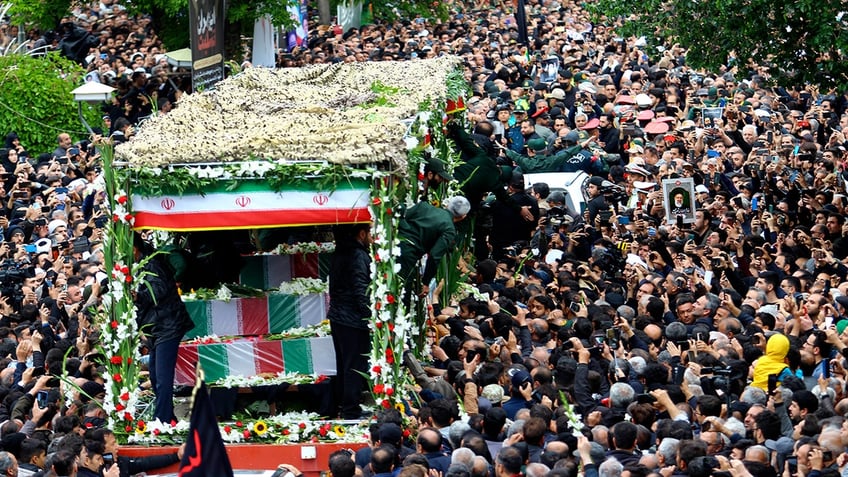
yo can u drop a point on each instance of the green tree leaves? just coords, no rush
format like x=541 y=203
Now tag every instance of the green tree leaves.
x=799 y=41
x=36 y=100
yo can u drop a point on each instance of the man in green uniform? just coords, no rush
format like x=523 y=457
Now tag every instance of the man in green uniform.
x=426 y=229
x=536 y=161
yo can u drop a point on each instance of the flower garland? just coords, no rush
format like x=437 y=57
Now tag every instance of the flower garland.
x=304 y=248
x=289 y=428
x=304 y=286
x=300 y=332
x=391 y=325
x=117 y=320
x=230 y=382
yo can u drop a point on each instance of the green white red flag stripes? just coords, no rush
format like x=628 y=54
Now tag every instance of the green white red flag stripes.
x=274 y=313
x=249 y=357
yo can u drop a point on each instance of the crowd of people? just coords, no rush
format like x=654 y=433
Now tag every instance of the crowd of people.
x=610 y=341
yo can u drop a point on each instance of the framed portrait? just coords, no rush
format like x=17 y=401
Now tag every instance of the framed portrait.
x=679 y=200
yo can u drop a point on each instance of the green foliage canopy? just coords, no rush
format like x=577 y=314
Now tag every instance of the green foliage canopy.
x=36 y=100
x=800 y=41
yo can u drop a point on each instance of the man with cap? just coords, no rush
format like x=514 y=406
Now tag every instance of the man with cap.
x=521 y=391
x=537 y=161
x=426 y=229
x=435 y=174
x=478 y=174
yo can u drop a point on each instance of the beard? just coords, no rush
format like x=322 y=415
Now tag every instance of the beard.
x=678 y=204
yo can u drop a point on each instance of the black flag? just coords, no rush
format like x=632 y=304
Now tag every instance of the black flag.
x=521 y=21
x=204 y=454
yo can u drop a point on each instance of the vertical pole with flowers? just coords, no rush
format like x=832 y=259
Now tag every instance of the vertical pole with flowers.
x=119 y=330
x=391 y=325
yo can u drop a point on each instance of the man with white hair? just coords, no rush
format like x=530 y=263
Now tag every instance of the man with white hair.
x=610 y=468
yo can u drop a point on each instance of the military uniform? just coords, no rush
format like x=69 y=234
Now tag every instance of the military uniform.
x=424 y=229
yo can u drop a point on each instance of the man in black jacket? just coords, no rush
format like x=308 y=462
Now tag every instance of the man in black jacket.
x=350 y=310
x=163 y=318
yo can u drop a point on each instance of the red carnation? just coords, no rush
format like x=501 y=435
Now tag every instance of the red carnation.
x=378 y=305
x=379 y=388
x=122 y=199
x=125 y=397
x=239 y=424
x=376 y=201
x=227 y=429
x=322 y=431
x=128 y=428
x=88 y=425
x=389 y=391
x=286 y=432
x=377 y=369
x=119 y=407
x=114 y=324
x=117 y=360
x=246 y=434
x=302 y=425
x=379 y=325
x=386 y=404
x=156 y=432
x=390 y=298
x=117 y=377
x=125 y=269
x=389 y=210
x=128 y=417
x=128 y=279
x=406 y=433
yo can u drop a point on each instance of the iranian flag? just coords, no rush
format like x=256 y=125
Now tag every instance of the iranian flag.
x=269 y=271
x=252 y=357
x=274 y=313
x=252 y=204
x=239 y=316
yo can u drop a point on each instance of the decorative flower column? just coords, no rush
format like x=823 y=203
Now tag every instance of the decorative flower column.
x=119 y=339
x=391 y=325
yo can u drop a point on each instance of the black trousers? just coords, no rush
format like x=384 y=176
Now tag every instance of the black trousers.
x=353 y=348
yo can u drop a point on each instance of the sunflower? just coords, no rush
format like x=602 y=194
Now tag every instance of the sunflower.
x=141 y=427
x=260 y=428
x=339 y=430
x=401 y=408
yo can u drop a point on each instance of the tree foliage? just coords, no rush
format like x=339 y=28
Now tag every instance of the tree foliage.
x=800 y=41
x=36 y=100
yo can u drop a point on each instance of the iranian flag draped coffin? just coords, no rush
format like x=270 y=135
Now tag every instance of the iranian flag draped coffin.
x=231 y=204
x=274 y=313
x=251 y=356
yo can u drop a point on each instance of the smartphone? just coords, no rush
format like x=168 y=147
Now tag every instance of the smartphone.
x=679 y=221
x=108 y=459
x=574 y=307
x=737 y=201
x=770 y=137
x=42 y=400
x=677 y=375
x=825 y=368
x=623 y=220
x=690 y=356
x=754 y=202
x=612 y=339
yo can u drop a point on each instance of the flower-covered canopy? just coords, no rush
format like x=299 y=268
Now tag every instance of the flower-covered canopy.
x=345 y=113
